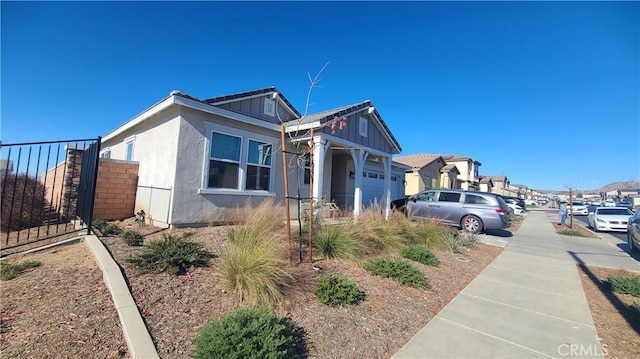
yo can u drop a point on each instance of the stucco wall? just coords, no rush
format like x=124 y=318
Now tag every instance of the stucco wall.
x=115 y=189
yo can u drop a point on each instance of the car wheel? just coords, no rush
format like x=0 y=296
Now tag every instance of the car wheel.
x=472 y=224
x=632 y=246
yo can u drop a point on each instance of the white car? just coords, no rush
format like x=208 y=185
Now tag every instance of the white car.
x=578 y=208
x=517 y=210
x=609 y=219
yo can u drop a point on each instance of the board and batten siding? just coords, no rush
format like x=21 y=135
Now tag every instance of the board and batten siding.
x=254 y=107
x=375 y=138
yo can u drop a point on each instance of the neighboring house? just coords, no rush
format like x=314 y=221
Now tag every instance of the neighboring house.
x=199 y=158
x=468 y=178
x=424 y=172
x=486 y=185
x=449 y=177
x=500 y=184
x=521 y=190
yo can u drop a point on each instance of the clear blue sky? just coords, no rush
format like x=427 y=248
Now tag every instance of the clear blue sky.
x=546 y=93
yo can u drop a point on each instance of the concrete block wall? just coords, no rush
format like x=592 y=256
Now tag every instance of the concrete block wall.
x=115 y=189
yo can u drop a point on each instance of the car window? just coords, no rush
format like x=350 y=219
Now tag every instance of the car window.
x=475 y=199
x=426 y=196
x=614 y=212
x=578 y=203
x=449 y=197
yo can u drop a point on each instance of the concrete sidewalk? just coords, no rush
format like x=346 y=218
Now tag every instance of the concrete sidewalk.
x=528 y=303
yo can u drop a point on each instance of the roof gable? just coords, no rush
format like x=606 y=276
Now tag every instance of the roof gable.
x=418 y=160
x=253 y=103
x=318 y=119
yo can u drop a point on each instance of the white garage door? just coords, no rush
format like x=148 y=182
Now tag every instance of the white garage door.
x=373 y=188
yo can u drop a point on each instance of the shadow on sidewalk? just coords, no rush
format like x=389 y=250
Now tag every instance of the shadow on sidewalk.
x=628 y=312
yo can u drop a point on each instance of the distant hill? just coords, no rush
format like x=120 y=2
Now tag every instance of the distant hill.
x=619 y=185
x=606 y=188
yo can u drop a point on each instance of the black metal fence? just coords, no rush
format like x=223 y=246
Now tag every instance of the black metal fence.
x=48 y=189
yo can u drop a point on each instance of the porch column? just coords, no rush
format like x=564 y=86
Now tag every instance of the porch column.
x=386 y=195
x=319 y=154
x=359 y=156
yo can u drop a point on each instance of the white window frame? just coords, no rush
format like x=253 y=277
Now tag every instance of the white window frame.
x=269 y=107
x=245 y=136
x=129 y=141
x=106 y=153
x=363 y=126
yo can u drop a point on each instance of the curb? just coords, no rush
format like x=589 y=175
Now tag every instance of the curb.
x=133 y=327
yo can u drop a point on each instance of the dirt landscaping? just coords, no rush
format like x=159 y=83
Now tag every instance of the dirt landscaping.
x=64 y=307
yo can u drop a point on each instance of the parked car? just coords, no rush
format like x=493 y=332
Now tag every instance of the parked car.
x=578 y=208
x=515 y=200
x=609 y=219
x=473 y=211
x=633 y=233
x=625 y=204
x=515 y=209
x=542 y=201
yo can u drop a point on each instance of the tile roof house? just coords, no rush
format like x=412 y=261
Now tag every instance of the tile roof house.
x=200 y=158
x=468 y=178
x=426 y=172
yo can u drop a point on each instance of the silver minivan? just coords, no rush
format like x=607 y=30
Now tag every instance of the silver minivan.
x=472 y=211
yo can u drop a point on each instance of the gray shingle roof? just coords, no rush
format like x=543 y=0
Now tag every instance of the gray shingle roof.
x=240 y=95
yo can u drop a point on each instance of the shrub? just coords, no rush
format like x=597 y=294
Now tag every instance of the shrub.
x=625 y=284
x=109 y=229
x=171 y=254
x=336 y=291
x=420 y=254
x=11 y=270
x=403 y=272
x=336 y=241
x=23 y=203
x=99 y=224
x=378 y=234
x=132 y=238
x=456 y=242
x=254 y=266
x=250 y=333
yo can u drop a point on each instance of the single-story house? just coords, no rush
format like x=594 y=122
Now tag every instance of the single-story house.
x=199 y=158
x=424 y=173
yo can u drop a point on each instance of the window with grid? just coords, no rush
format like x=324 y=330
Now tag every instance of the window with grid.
x=224 y=161
x=258 y=165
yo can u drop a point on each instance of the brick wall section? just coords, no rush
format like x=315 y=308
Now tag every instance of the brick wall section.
x=115 y=189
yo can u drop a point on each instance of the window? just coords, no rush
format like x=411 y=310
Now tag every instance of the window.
x=394 y=178
x=363 y=126
x=307 y=169
x=224 y=161
x=106 y=154
x=473 y=199
x=426 y=196
x=373 y=175
x=237 y=161
x=449 y=197
x=258 y=165
x=269 y=107
x=129 y=156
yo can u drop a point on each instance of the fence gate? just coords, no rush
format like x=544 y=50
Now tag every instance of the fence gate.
x=48 y=191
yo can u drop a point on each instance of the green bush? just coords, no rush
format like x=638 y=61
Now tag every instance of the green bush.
x=171 y=254
x=99 y=224
x=132 y=238
x=420 y=254
x=11 y=270
x=336 y=291
x=403 y=272
x=111 y=229
x=336 y=241
x=250 y=333
x=625 y=284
